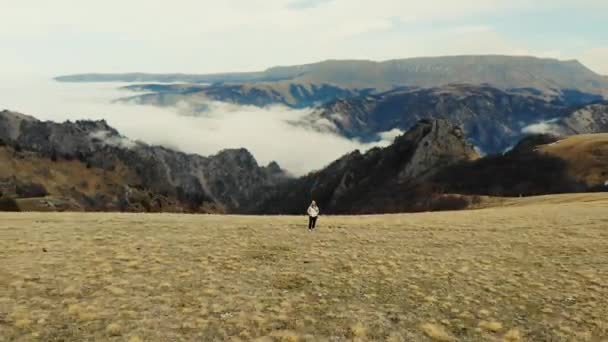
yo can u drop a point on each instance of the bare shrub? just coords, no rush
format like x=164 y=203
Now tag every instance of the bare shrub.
x=28 y=190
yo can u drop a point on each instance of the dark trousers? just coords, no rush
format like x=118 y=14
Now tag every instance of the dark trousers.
x=312 y=222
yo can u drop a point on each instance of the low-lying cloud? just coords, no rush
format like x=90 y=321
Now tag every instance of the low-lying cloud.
x=267 y=132
x=543 y=127
x=107 y=138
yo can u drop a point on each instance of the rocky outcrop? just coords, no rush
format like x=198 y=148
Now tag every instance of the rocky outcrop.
x=438 y=144
x=229 y=179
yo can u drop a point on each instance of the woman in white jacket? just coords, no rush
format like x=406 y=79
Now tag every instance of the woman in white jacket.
x=313 y=213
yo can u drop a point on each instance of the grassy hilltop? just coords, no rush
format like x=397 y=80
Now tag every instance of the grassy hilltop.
x=529 y=270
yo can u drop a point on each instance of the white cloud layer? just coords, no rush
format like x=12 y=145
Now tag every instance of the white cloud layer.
x=266 y=132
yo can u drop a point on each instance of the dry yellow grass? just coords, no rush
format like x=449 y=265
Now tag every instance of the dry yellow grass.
x=59 y=176
x=537 y=271
x=586 y=154
x=596 y=199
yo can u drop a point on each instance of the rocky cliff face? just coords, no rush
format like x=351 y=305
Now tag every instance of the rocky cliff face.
x=591 y=118
x=437 y=144
x=294 y=95
x=229 y=179
x=492 y=119
x=376 y=181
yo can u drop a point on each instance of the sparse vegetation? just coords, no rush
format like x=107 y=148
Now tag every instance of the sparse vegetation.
x=88 y=188
x=587 y=157
x=8 y=204
x=532 y=270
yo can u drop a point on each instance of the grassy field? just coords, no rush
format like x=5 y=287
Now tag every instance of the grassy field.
x=533 y=271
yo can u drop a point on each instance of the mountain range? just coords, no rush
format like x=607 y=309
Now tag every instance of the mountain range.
x=131 y=172
x=472 y=126
x=504 y=72
x=495 y=98
x=88 y=165
x=493 y=119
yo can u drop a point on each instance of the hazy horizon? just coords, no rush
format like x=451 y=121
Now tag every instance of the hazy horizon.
x=326 y=60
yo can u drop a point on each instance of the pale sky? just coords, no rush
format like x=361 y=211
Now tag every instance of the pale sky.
x=201 y=36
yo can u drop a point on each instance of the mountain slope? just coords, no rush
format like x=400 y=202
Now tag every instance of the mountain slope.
x=433 y=167
x=228 y=179
x=41 y=183
x=538 y=165
x=87 y=165
x=374 y=181
x=505 y=72
x=586 y=155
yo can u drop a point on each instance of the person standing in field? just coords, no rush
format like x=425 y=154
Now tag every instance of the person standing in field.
x=313 y=214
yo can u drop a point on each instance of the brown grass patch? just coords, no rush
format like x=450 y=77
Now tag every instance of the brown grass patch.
x=436 y=333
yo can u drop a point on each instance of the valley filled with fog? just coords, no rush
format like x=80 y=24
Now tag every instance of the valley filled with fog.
x=267 y=132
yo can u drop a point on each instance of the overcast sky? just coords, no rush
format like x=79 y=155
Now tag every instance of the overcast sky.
x=71 y=36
